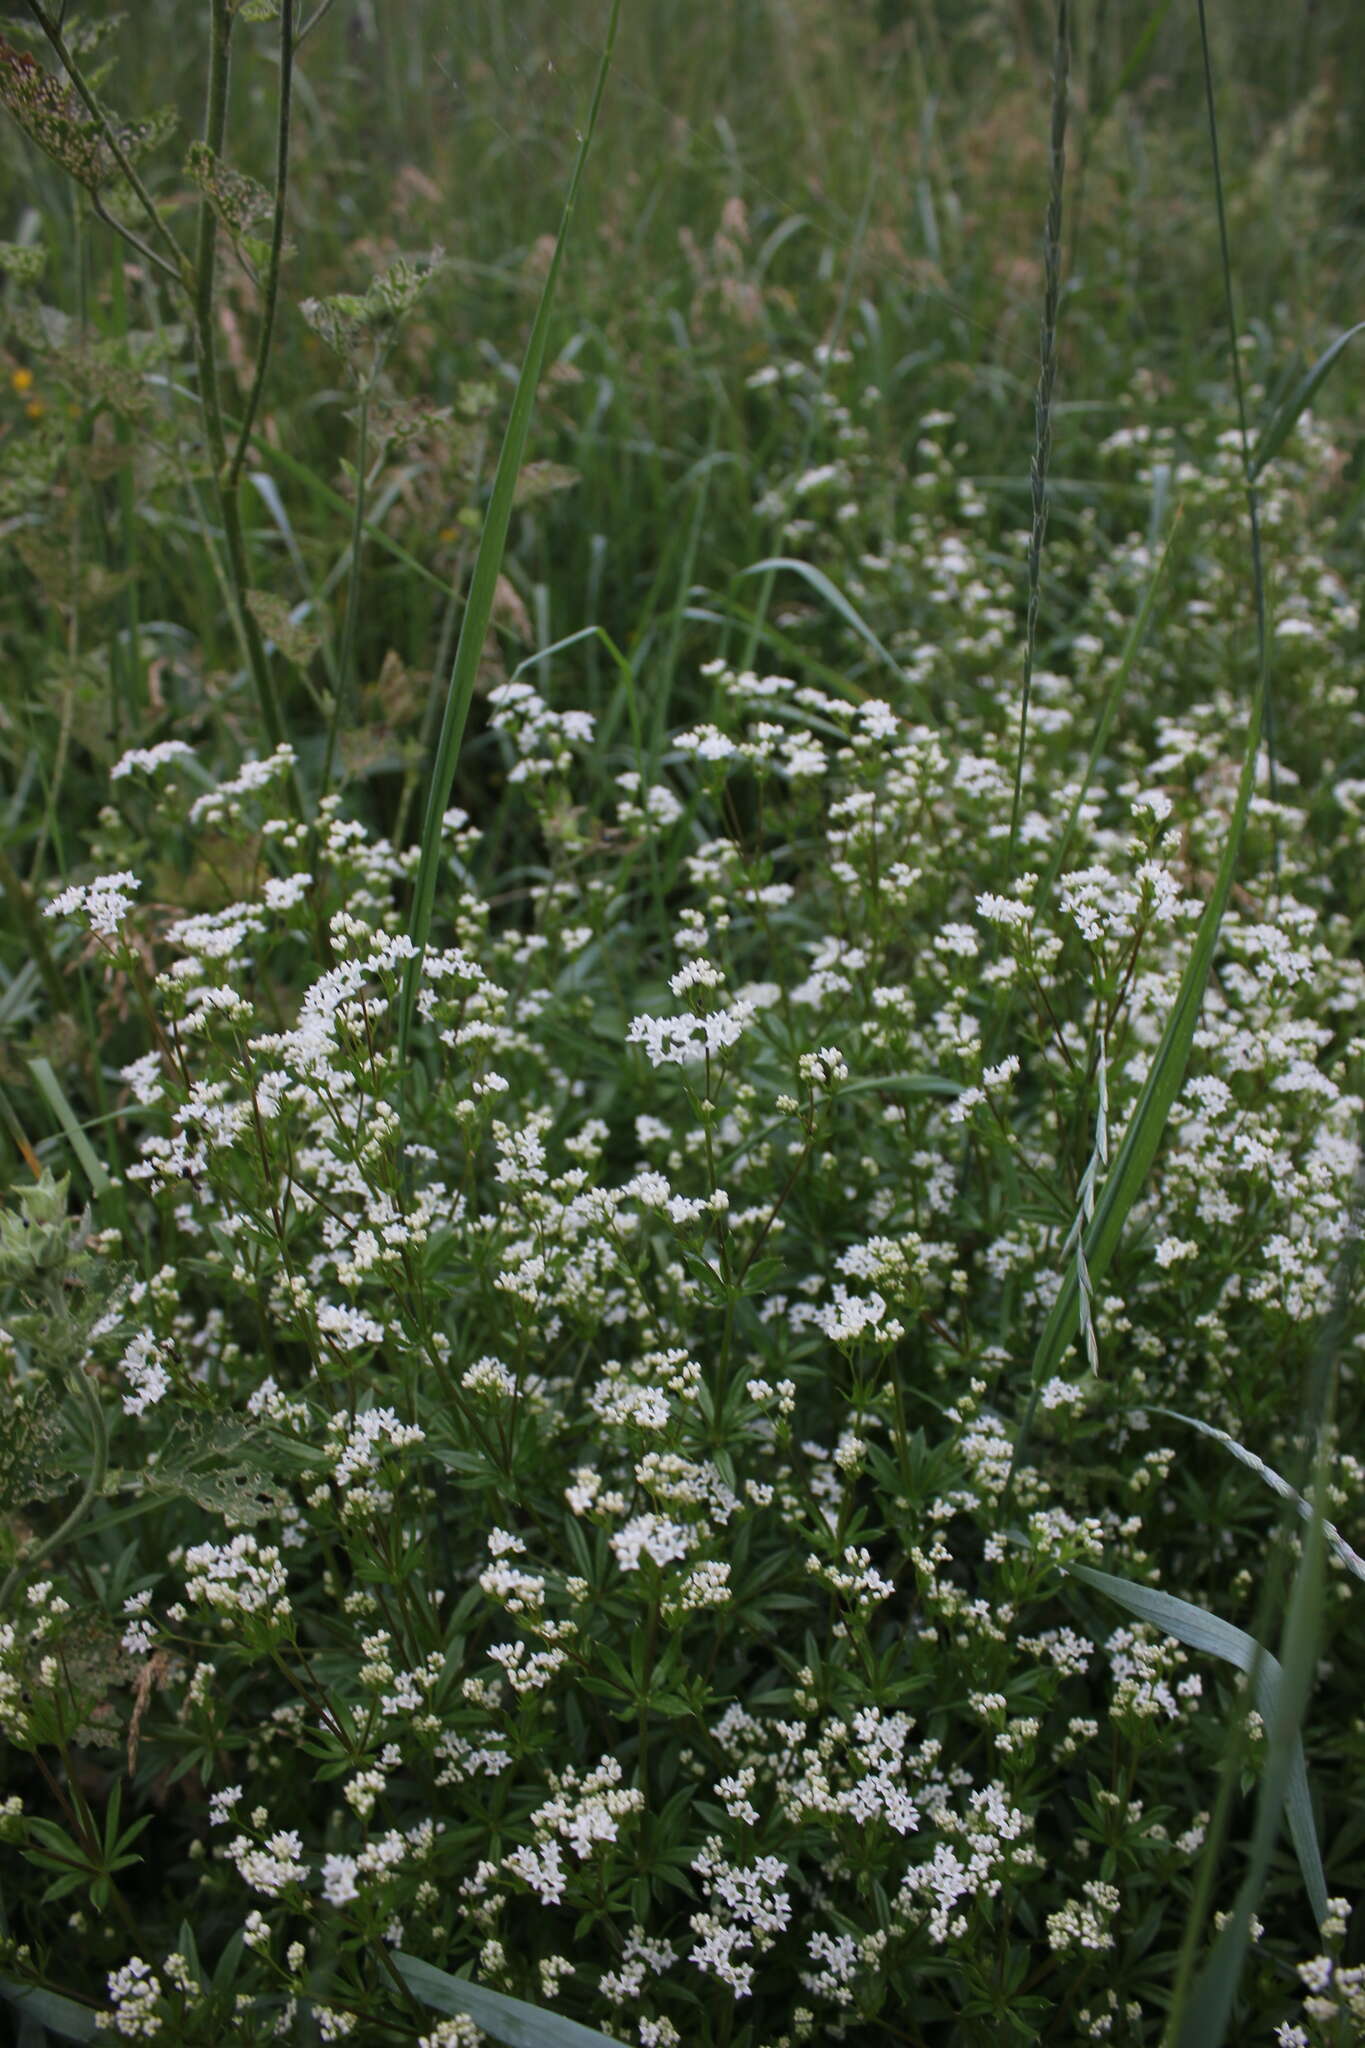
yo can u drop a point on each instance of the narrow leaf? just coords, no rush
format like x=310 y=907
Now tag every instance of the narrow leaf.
x=509 y=2020
x=837 y=602
x=61 y=2016
x=1286 y=413
x=1132 y=647
x=1283 y=1783
x=1336 y=1542
x=55 y=1096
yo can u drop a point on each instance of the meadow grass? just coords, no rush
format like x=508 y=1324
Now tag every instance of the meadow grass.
x=681 y=1024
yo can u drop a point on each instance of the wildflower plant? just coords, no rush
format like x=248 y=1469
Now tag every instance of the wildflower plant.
x=528 y=1485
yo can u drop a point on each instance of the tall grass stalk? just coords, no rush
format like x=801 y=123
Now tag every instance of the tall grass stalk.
x=1047 y=377
x=270 y=296
x=487 y=563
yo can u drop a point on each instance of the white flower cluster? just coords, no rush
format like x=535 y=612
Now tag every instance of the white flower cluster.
x=242 y=1577
x=104 y=903
x=584 y=1813
x=745 y=1909
x=544 y=739
x=134 y=1992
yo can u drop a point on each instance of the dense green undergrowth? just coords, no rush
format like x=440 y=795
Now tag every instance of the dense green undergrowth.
x=750 y=1436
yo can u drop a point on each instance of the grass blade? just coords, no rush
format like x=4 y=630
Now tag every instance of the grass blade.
x=61 y=2016
x=1283 y=1783
x=55 y=1096
x=837 y=602
x=509 y=2020
x=1283 y=419
x=1336 y=1542
x=1200 y=1630
x=1200 y=2015
x=483 y=584
x=1125 y=1181
x=1042 y=404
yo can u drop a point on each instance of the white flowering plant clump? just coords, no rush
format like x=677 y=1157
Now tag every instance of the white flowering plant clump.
x=570 y=1506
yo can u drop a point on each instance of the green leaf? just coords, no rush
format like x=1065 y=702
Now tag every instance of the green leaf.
x=1282 y=421
x=1132 y=647
x=55 y=1095
x=484 y=581
x=61 y=2016
x=23 y=262
x=1200 y=1630
x=297 y=642
x=509 y=2020
x=837 y=602
x=238 y=201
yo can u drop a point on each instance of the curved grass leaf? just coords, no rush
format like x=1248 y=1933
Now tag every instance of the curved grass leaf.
x=1336 y=1542
x=1200 y=1630
x=484 y=581
x=731 y=612
x=1202 y=2021
x=509 y=2020
x=1283 y=419
x=1200 y=2011
x=837 y=602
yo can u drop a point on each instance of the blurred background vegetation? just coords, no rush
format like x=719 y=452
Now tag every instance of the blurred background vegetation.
x=769 y=176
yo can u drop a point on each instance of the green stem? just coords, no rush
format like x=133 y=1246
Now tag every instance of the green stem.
x=206 y=360
x=1047 y=373
x=272 y=275
x=346 y=653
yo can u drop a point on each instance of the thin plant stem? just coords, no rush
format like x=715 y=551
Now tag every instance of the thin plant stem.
x=215 y=125
x=52 y=30
x=1248 y=470
x=270 y=303
x=1042 y=408
x=1272 y=1587
x=345 y=685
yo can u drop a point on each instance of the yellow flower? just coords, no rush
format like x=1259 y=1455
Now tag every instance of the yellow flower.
x=21 y=381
